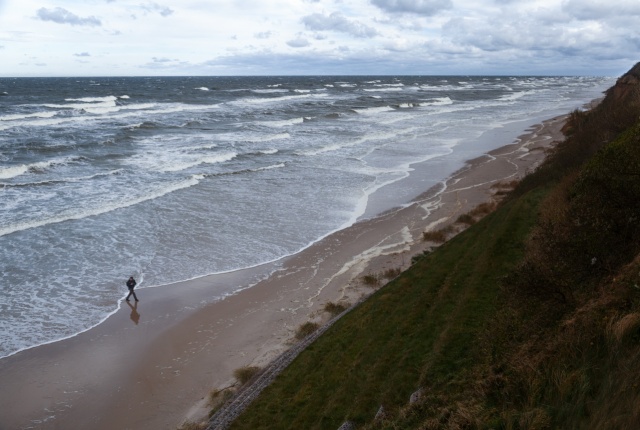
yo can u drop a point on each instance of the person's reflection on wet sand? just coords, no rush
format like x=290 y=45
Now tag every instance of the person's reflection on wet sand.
x=135 y=316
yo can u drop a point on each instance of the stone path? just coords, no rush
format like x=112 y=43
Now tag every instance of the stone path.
x=223 y=418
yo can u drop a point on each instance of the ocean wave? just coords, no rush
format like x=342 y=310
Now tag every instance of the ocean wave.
x=202 y=89
x=408 y=105
x=515 y=96
x=373 y=110
x=87 y=211
x=207 y=159
x=267 y=138
x=16 y=117
x=93 y=99
x=283 y=123
x=103 y=112
x=385 y=89
x=83 y=105
x=244 y=171
x=15 y=171
x=253 y=100
x=60 y=181
x=439 y=101
x=270 y=91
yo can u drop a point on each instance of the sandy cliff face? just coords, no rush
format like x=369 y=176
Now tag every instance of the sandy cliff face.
x=627 y=88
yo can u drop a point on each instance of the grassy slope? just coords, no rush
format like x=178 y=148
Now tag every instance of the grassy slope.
x=553 y=344
x=418 y=331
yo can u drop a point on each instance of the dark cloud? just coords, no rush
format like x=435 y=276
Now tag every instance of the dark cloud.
x=337 y=22
x=420 y=7
x=63 y=16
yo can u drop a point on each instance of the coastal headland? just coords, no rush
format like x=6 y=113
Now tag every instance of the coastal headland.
x=152 y=365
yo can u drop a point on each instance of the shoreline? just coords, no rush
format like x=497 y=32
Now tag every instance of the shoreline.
x=149 y=370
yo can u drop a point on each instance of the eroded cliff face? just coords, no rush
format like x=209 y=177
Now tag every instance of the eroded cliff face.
x=627 y=88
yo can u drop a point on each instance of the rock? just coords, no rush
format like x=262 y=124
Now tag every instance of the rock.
x=416 y=396
x=347 y=425
x=381 y=414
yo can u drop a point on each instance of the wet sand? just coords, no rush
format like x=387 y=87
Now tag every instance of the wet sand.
x=152 y=366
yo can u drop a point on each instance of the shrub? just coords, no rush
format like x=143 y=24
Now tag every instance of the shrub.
x=466 y=219
x=391 y=273
x=483 y=209
x=244 y=374
x=437 y=236
x=306 y=329
x=371 y=280
x=190 y=425
x=334 y=308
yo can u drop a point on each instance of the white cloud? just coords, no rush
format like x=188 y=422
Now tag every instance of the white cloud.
x=299 y=42
x=598 y=10
x=155 y=7
x=63 y=16
x=337 y=22
x=263 y=35
x=421 y=7
x=82 y=54
x=318 y=36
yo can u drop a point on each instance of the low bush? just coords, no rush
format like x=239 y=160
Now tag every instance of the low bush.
x=334 y=308
x=306 y=329
x=391 y=273
x=244 y=374
x=371 y=280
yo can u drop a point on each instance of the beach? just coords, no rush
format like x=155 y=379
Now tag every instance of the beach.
x=153 y=365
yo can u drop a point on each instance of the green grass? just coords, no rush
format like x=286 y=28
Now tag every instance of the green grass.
x=477 y=325
x=420 y=330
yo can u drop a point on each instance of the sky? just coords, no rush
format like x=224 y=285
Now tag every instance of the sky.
x=318 y=37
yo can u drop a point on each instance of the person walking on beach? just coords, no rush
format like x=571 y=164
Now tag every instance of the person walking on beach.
x=131 y=284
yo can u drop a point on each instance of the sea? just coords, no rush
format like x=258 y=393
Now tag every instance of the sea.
x=173 y=178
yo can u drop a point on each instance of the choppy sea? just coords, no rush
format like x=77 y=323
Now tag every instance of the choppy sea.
x=169 y=179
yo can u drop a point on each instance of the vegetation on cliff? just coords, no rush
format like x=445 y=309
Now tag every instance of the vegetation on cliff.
x=528 y=319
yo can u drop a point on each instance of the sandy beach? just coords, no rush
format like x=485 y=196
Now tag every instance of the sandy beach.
x=152 y=365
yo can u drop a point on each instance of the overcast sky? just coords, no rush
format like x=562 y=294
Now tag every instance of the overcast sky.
x=310 y=37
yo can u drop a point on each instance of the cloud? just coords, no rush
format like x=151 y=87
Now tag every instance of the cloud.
x=63 y=16
x=155 y=7
x=420 y=7
x=337 y=22
x=598 y=10
x=299 y=42
x=263 y=35
x=82 y=54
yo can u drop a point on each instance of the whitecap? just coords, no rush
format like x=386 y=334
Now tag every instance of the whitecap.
x=77 y=213
x=15 y=117
x=207 y=159
x=373 y=110
x=283 y=123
